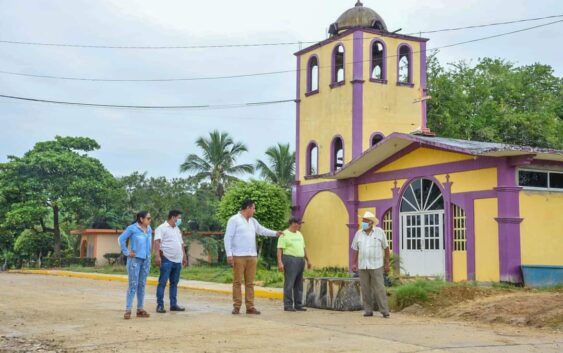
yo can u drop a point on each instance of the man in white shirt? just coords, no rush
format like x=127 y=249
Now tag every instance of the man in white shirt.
x=240 y=246
x=170 y=256
x=371 y=256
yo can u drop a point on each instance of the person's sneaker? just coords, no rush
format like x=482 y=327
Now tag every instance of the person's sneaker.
x=235 y=311
x=160 y=309
x=252 y=311
x=288 y=309
x=368 y=314
x=300 y=308
x=386 y=316
x=177 y=308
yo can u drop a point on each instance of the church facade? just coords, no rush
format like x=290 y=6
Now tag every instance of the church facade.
x=461 y=210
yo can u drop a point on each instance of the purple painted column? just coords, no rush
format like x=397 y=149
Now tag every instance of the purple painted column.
x=358 y=94
x=423 y=84
x=296 y=190
x=508 y=223
x=351 y=201
x=395 y=220
x=448 y=228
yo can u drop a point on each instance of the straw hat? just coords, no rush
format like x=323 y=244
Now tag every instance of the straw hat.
x=370 y=216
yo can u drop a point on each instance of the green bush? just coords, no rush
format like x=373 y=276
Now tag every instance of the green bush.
x=50 y=262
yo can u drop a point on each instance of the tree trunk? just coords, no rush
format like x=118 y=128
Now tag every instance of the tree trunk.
x=56 y=232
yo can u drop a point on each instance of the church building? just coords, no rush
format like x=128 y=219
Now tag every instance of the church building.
x=456 y=209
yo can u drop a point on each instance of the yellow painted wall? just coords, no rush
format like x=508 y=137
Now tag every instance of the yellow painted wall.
x=328 y=113
x=105 y=244
x=378 y=191
x=459 y=268
x=486 y=241
x=423 y=157
x=387 y=107
x=541 y=231
x=474 y=180
x=325 y=231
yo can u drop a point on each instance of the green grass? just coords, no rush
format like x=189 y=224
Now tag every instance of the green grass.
x=418 y=291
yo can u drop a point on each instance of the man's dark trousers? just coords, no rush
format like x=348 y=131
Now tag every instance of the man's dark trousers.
x=293 y=281
x=168 y=270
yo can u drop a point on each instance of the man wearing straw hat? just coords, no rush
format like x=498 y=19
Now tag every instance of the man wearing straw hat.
x=371 y=256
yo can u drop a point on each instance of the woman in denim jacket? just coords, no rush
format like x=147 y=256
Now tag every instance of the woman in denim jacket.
x=138 y=260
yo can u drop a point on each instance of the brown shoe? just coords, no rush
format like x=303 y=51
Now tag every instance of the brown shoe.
x=127 y=315
x=252 y=311
x=235 y=311
x=142 y=313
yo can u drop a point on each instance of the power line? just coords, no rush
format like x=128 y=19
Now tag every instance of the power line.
x=190 y=107
x=261 y=73
x=243 y=45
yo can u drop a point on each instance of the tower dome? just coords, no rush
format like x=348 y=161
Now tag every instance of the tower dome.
x=358 y=17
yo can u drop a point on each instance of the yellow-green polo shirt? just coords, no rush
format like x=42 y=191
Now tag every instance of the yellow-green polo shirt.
x=292 y=244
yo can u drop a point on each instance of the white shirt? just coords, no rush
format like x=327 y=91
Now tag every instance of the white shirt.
x=240 y=236
x=171 y=242
x=370 y=248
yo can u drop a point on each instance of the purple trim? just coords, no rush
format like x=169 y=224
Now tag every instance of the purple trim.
x=383 y=78
x=308 y=157
x=333 y=151
x=312 y=93
x=298 y=120
x=358 y=94
x=409 y=57
x=423 y=83
x=383 y=82
x=310 y=89
x=377 y=133
x=365 y=30
x=333 y=75
x=508 y=223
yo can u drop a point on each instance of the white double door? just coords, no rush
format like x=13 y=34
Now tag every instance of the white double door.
x=422 y=243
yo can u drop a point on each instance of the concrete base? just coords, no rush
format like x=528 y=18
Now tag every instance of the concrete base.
x=340 y=294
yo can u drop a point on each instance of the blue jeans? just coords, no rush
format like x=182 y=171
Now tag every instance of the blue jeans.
x=168 y=270
x=138 y=270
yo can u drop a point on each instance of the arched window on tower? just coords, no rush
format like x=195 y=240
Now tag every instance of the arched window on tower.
x=338 y=74
x=313 y=75
x=375 y=139
x=405 y=65
x=312 y=159
x=378 y=58
x=337 y=154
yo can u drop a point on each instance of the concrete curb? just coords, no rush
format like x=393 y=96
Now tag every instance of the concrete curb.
x=259 y=292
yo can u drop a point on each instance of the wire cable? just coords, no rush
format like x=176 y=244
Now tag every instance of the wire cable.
x=191 y=107
x=206 y=78
x=243 y=45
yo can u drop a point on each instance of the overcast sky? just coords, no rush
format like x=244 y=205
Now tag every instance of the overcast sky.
x=158 y=141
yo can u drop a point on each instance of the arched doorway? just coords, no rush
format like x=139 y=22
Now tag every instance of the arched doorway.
x=422 y=247
x=326 y=232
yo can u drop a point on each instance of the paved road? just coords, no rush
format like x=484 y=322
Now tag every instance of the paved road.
x=84 y=315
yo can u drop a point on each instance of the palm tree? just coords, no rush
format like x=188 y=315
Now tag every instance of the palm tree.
x=280 y=166
x=217 y=164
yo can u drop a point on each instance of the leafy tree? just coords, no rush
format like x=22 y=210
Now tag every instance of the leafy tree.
x=272 y=208
x=496 y=101
x=218 y=161
x=279 y=167
x=32 y=244
x=54 y=183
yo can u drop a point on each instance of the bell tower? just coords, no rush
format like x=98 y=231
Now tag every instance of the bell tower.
x=353 y=89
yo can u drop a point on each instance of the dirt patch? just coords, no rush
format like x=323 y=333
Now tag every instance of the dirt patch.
x=516 y=307
x=21 y=344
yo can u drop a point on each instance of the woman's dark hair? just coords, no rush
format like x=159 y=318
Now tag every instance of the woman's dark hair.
x=140 y=215
x=246 y=204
